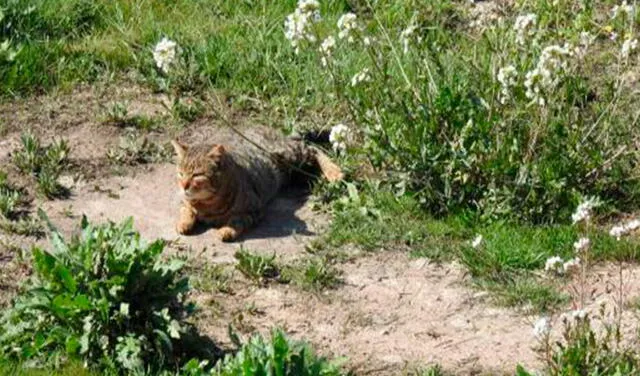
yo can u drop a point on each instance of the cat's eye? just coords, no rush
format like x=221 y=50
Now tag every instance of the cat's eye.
x=180 y=175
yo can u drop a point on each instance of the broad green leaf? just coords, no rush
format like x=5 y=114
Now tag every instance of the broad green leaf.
x=66 y=278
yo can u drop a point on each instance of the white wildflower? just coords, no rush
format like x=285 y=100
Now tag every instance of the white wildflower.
x=507 y=77
x=308 y=5
x=585 y=41
x=547 y=73
x=628 y=46
x=533 y=85
x=124 y=309
x=367 y=41
x=618 y=231
x=570 y=266
x=613 y=36
x=407 y=35
x=554 y=264
x=542 y=327
x=623 y=9
x=579 y=314
x=582 y=244
x=346 y=24
x=584 y=210
x=525 y=26
x=298 y=25
x=164 y=54
x=621 y=230
x=633 y=225
x=338 y=137
x=476 y=241
x=326 y=48
x=362 y=76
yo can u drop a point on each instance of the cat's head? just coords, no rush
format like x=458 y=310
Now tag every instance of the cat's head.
x=199 y=169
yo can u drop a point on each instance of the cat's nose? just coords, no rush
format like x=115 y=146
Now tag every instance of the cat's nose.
x=184 y=184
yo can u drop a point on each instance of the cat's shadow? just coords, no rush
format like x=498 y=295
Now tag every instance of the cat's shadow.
x=280 y=219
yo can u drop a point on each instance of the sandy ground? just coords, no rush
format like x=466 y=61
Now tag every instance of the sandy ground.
x=391 y=314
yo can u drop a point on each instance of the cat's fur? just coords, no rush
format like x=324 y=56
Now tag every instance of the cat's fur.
x=229 y=186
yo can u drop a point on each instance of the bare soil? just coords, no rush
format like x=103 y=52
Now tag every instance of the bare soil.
x=391 y=314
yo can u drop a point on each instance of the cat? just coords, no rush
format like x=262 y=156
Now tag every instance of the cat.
x=229 y=186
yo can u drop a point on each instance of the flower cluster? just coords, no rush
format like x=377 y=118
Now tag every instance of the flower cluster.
x=407 y=35
x=546 y=75
x=326 y=49
x=164 y=54
x=621 y=230
x=542 y=327
x=475 y=243
x=582 y=245
x=347 y=24
x=524 y=27
x=507 y=77
x=362 y=76
x=586 y=40
x=584 y=210
x=623 y=9
x=559 y=266
x=339 y=137
x=628 y=46
x=298 y=25
x=576 y=315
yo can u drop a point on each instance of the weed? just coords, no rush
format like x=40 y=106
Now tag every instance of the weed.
x=135 y=149
x=212 y=278
x=257 y=267
x=45 y=163
x=105 y=298
x=26 y=226
x=118 y=115
x=278 y=356
x=10 y=197
x=187 y=109
x=314 y=274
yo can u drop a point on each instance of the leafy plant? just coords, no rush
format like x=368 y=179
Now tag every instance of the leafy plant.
x=187 y=109
x=135 y=149
x=104 y=297
x=10 y=198
x=313 y=274
x=277 y=356
x=45 y=163
x=118 y=115
x=256 y=267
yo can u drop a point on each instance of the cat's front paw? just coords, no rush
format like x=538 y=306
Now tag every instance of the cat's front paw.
x=227 y=234
x=184 y=228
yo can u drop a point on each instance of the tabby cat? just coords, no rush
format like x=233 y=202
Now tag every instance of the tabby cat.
x=230 y=186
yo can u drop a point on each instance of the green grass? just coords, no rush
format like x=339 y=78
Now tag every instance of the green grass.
x=313 y=274
x=509 y=263
x=211 y=278
x=374 y=219
x=73 y=369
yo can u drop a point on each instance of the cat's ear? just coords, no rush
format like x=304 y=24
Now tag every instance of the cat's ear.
x=181 y=149
x=216 y=152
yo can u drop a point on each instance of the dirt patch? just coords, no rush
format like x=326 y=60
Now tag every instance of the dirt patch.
x=152 y=199
x=392 y=314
